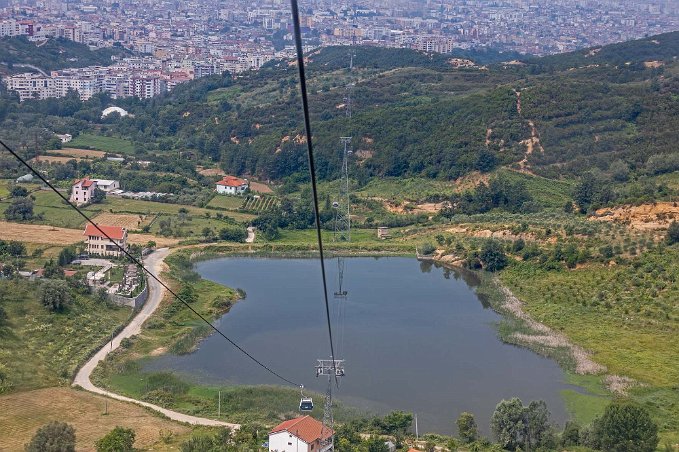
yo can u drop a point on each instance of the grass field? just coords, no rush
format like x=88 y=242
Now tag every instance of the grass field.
x=41 y=348
x=102 y=143
x=227 y=202
x=627 y=316
x=21 y=414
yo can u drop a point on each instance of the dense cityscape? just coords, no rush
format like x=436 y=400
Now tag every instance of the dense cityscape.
x=178 y=41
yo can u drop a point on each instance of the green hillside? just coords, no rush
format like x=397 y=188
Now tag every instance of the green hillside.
x=54 y=54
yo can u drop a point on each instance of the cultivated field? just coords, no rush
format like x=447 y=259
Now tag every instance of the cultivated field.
x=130 y=222
x=21 y=414
x=84 y=153
x=53 y=159
x=227 y=202
x=211 y=172
x=260 y=187
x=38 y=233
x=109 y=144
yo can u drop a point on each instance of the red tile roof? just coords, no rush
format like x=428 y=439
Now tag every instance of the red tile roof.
x=305 y=428
x=232 y=181
x=115 y=232
x=86 y=181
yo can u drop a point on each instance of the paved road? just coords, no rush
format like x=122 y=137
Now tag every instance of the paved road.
x=153 y=263
x=251 y=235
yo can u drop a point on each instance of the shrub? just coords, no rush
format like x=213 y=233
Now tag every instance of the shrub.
x=119 y=439
x=53 y=437
x=55 y=295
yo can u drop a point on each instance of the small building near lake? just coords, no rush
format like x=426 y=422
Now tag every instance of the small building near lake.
x=302 y=434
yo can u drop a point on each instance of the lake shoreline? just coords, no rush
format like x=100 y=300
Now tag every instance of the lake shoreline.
x=194 y=255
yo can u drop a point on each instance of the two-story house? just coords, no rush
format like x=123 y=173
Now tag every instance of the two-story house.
x=82 y=191
x=99 y=244
x=302 y=434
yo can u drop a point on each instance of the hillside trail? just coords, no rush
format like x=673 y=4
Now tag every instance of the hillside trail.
x=533 y=143
x=154 y=263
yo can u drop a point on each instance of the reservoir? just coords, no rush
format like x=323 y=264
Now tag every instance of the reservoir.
x=415 y=337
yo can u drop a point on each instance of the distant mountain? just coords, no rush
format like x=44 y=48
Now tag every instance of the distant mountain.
x=53 y=54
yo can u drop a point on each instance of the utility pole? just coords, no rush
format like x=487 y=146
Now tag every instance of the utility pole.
x=219 y=405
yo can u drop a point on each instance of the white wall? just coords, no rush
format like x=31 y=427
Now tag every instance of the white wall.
x=285 y=442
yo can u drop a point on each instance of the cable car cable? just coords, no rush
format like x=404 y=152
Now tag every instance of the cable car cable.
x=136 y=261
x=312 y=169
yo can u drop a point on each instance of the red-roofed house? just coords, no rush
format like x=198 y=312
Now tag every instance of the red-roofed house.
x=232 y=185
x=302 y=434
x=97 y=243
x=82 y=190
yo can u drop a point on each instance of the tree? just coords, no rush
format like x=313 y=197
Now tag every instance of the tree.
x=377 y=444
x=493 y=256
x=233 y=234
x=19 y=192
x=20 y=209
x=16 y=249
x=188 y=293
x=467 y=428
x=119 y=439
x=52 y=270
x=53 y=437
x=673 y=233
x=397 y=422
x=66 y=256
x=537 y=427
x=571 y=435
x=507 y=423
x=55 y=295
x=98 y=196
x=626 y=427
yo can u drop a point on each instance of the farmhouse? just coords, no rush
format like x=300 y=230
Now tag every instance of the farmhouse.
x=97 y=243
x=232 y=185
x=82 y=190
x=302 y=434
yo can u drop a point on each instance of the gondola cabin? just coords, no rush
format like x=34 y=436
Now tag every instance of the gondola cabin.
x=306 y=404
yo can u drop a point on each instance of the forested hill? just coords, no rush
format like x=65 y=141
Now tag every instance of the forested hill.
x=413 y=114
x=53 y=54
x=664 y=47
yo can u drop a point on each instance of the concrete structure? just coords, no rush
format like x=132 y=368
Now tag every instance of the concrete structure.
x=82 y=191
x=382 y=232
x=98 y=244
x=107 y=185
x=133 y=302
x=302 y=434
x=231 y=185
x=109 y=110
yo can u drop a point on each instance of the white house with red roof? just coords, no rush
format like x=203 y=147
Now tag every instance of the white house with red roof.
x=232 y=185
x=302 y=434
x=82 y=190
x=99 y=244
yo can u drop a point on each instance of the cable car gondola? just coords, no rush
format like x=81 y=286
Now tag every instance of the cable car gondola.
x=305 y=403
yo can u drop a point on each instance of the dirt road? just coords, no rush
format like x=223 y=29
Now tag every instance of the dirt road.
x=154 y=264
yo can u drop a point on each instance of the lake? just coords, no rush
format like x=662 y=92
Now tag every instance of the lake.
x=415 y=337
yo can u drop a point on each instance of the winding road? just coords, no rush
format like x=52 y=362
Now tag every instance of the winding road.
x=153 y=264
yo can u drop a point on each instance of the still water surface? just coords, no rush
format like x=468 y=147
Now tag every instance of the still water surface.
x=415 y=337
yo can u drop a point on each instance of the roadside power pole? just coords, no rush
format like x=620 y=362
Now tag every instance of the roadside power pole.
x=219 y=405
